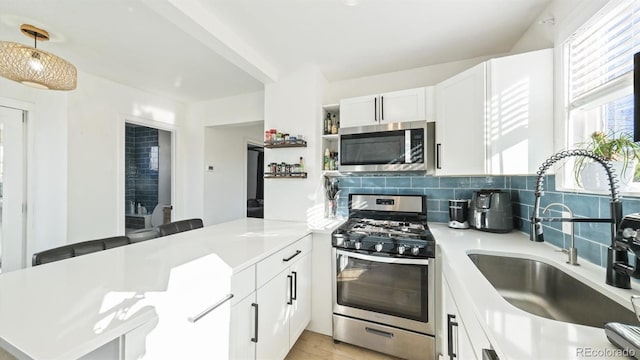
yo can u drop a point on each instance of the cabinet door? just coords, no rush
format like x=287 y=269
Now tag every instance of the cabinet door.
x=457 y=344
x=193 y=314
x=400 y=106
x=273 y=317
x=460 y=124
x=521 y=112
x=244 y=329
x=359 y=111
x=301 y=308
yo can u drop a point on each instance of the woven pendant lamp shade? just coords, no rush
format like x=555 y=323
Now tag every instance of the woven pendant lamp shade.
x=35 y=67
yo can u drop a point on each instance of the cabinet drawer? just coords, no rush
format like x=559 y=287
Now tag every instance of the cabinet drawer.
x=274 y=264
x=243 y=283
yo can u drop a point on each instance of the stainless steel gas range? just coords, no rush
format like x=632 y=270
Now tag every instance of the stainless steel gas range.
x=384 y=266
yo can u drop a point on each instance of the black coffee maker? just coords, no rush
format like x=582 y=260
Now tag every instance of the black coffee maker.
x=458 y=214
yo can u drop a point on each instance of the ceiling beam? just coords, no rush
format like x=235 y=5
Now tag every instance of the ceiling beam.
x=198 y=21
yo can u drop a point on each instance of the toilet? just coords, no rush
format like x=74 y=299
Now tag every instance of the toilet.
x=157 y=217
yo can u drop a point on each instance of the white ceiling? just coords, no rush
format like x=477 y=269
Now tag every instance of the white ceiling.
x=208 y=52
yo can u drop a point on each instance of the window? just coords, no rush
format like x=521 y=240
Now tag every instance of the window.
x=599 y=74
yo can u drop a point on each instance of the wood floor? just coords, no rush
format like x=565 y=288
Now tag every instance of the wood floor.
x=314 y=346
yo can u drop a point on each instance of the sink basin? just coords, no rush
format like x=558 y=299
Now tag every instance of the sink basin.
x=544 y=290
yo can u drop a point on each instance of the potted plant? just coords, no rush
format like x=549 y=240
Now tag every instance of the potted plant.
x=616 y=147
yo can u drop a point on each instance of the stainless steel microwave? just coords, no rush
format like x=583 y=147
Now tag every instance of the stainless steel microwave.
x=407 y=146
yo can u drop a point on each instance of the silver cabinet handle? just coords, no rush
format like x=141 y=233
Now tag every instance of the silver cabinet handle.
x=193 y=319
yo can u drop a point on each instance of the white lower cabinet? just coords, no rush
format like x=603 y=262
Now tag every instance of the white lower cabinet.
x=284 y=301
x=244 y=311
x=457 y=344
x=193 y=306
x=244 y=329
x=205 y=312
x=464 y=339
x=300 y=310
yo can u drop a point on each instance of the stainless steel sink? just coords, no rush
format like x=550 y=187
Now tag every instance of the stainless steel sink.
x=544 y=290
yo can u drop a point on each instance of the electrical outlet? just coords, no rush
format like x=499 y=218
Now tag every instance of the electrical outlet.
x=566 y=226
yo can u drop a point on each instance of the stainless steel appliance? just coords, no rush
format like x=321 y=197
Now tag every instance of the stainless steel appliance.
x=458 y=214
x=384 y=267
x=406 y=146
x=491 y=210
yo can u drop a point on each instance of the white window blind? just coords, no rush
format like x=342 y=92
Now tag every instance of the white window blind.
x=601 y=53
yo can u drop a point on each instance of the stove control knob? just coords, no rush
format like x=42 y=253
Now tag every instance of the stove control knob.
x=358 y=245
x=378 y=247
x=415 y=250
x=401 y=249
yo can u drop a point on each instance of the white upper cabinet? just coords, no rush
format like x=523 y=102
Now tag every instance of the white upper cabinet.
x=460 y=123
x=400 y=106
x=497 y=117
x=520 y=90
x=391 y=107
x=359 y=111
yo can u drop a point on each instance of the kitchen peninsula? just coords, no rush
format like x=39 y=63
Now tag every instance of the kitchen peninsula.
x=147 y=298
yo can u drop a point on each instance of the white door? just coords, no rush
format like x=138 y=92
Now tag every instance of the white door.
x=273 y=317
x=301 y=304
x=359 y=111
x=12 y=189
x=243 y=329
x=460 y=124
x=404 y=105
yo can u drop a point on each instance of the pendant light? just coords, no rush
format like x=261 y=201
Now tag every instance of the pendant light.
x=34 y=67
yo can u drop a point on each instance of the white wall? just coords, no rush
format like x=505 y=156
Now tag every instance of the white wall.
x=241 y=109
x=539 y=35
x=96 y=111
x=225 y=189
x=294 y=105
x=46 y=162
x=399 y=80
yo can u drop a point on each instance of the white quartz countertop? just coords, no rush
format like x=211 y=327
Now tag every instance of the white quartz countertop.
x=514 y=333
x=65 y=309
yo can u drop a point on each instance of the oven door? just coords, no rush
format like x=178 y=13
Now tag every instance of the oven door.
x=392 y=291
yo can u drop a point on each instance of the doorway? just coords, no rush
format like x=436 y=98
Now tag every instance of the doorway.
x=255 y=180
x=12 y=189
x=148 y=176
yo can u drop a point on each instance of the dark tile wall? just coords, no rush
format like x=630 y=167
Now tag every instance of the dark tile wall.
x=591 y=239
x=141 y=183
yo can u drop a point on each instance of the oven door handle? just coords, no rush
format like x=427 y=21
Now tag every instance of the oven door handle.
x=382 y=259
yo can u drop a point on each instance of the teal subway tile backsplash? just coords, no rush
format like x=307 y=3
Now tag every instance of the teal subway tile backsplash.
x=592 y=239
x=377 y=182
x=425 y=182
x=455 y=182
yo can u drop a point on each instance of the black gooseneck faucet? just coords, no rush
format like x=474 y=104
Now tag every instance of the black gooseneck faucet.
x=618 y=270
